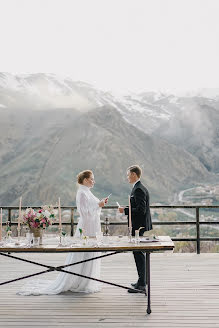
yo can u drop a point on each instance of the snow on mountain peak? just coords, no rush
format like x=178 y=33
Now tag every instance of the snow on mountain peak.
x=146 y=110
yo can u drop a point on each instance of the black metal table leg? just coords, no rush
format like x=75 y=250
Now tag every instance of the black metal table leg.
x=61 y=269
x=148 y=279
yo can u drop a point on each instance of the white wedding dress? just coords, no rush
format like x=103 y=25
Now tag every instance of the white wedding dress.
x=89 y=221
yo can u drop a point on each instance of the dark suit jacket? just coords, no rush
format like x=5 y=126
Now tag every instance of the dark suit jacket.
x=140 y=209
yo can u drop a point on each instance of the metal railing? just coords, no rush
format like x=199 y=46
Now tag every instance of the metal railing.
x=106 y=223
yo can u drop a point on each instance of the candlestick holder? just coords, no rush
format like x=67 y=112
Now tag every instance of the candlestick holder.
x=60 y=244
x=129 y=234
x=18 y=242
x=8 y=239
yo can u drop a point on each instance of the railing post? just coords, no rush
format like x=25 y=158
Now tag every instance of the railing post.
x=106 y=233
x=72 y=222
x=197 y=231
x=9 y=216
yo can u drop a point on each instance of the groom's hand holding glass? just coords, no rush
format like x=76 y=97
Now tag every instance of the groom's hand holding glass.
x=120 y=208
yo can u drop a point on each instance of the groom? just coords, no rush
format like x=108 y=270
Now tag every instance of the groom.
x=140 y=217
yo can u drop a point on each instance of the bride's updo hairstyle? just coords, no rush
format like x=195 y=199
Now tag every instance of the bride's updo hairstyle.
x=84 y=175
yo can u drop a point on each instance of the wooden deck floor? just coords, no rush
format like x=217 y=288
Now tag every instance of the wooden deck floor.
x=185 y=293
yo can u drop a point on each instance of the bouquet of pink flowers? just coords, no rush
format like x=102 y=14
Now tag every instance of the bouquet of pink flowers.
x=39 y=219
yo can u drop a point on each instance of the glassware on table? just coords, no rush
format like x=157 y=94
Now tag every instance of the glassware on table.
x=130 y=239
x=36 y=241
x=137 y=239
x=85 y=240
x=8 y=239
x=63 y=238
x=99 y=237
x=29 y=238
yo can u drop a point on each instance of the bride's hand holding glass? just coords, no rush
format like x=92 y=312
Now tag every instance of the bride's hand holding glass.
x=103 y=202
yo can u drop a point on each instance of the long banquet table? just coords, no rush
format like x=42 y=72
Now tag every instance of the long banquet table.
x=111 y=246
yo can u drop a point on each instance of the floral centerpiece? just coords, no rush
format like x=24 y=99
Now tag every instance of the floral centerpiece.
x=38 y=220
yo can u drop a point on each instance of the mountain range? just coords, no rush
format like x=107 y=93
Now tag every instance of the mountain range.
x=51 y=128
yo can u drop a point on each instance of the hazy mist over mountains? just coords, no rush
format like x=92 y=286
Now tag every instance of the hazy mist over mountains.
x=51 y=128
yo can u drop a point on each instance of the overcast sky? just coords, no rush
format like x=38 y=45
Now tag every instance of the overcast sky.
x=114 y=44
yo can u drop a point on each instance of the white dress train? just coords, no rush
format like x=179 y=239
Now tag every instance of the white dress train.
x=89 y=221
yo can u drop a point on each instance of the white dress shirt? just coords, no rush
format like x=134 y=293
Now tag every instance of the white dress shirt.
x=135 y=182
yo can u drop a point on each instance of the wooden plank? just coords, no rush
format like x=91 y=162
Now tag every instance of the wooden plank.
x=185 y=293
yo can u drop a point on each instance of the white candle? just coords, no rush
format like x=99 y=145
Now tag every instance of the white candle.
x=1 y=225
x=130 y=215
x=19 y=217
x=60 y=217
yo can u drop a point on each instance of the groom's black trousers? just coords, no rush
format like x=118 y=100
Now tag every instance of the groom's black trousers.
x=140 y=264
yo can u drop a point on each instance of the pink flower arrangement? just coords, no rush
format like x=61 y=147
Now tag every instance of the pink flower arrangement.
x=42 y=218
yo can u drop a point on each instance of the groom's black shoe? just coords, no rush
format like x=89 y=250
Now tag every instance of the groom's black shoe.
x=134 y=285
x=138 y=289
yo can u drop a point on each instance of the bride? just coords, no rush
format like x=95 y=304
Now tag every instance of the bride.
x=89 y=208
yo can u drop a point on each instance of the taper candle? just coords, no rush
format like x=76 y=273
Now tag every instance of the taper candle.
x=19 y=217
x=1 y=225
x=130 y=215
x=60 y=216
